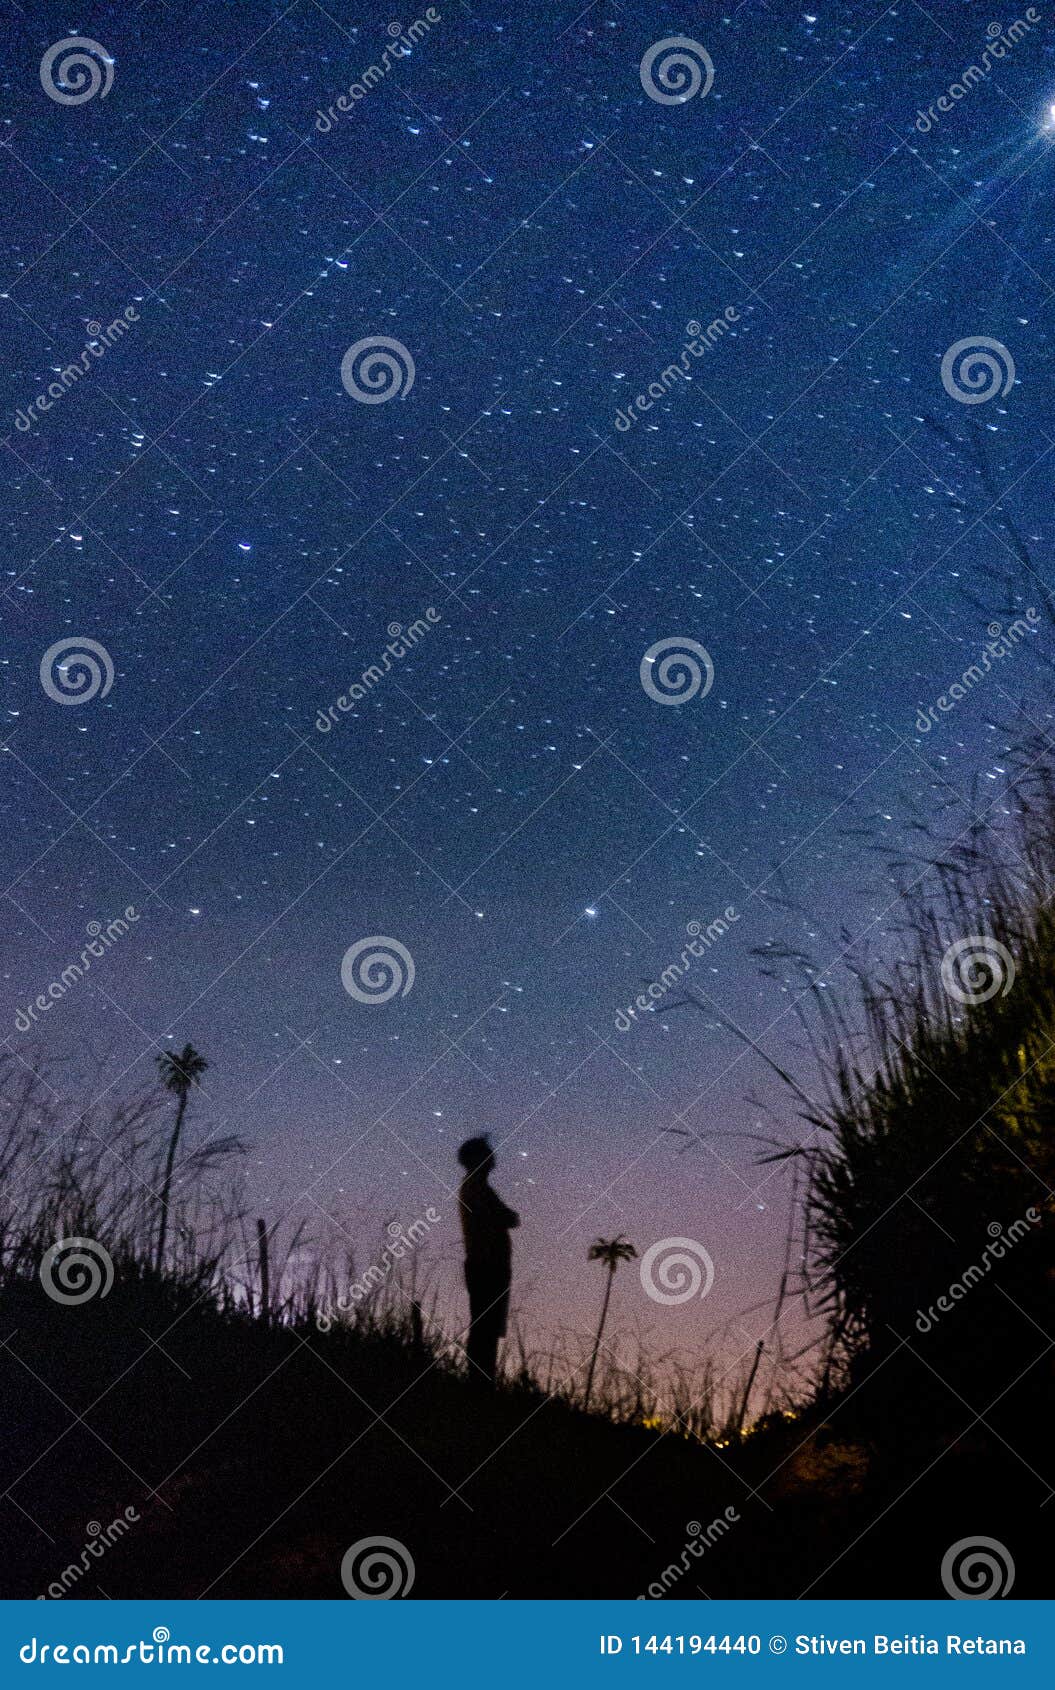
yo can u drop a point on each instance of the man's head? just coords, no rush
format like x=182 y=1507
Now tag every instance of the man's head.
x=476 y=1155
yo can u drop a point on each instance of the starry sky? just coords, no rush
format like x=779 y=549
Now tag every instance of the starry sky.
x=213 y=507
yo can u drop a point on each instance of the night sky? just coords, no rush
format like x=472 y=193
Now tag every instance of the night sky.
x=211 y=505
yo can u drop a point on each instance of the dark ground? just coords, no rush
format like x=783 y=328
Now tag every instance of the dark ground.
x=272 y=1452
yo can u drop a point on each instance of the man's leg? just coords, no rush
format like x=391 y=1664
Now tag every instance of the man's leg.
x=489 y=1336
x=474 y=1347
x=487 y=1319
x=476 y=1343
x=494 y=1324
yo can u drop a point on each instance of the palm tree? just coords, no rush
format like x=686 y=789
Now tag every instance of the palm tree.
x=610 y=1251
x=178 y=1074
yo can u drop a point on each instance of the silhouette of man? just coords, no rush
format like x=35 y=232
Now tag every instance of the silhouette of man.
x=486 y=1225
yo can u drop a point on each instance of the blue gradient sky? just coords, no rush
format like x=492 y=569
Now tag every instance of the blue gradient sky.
x=212 y=506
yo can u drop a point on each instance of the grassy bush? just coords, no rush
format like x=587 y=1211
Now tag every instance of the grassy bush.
x=932 y=1158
